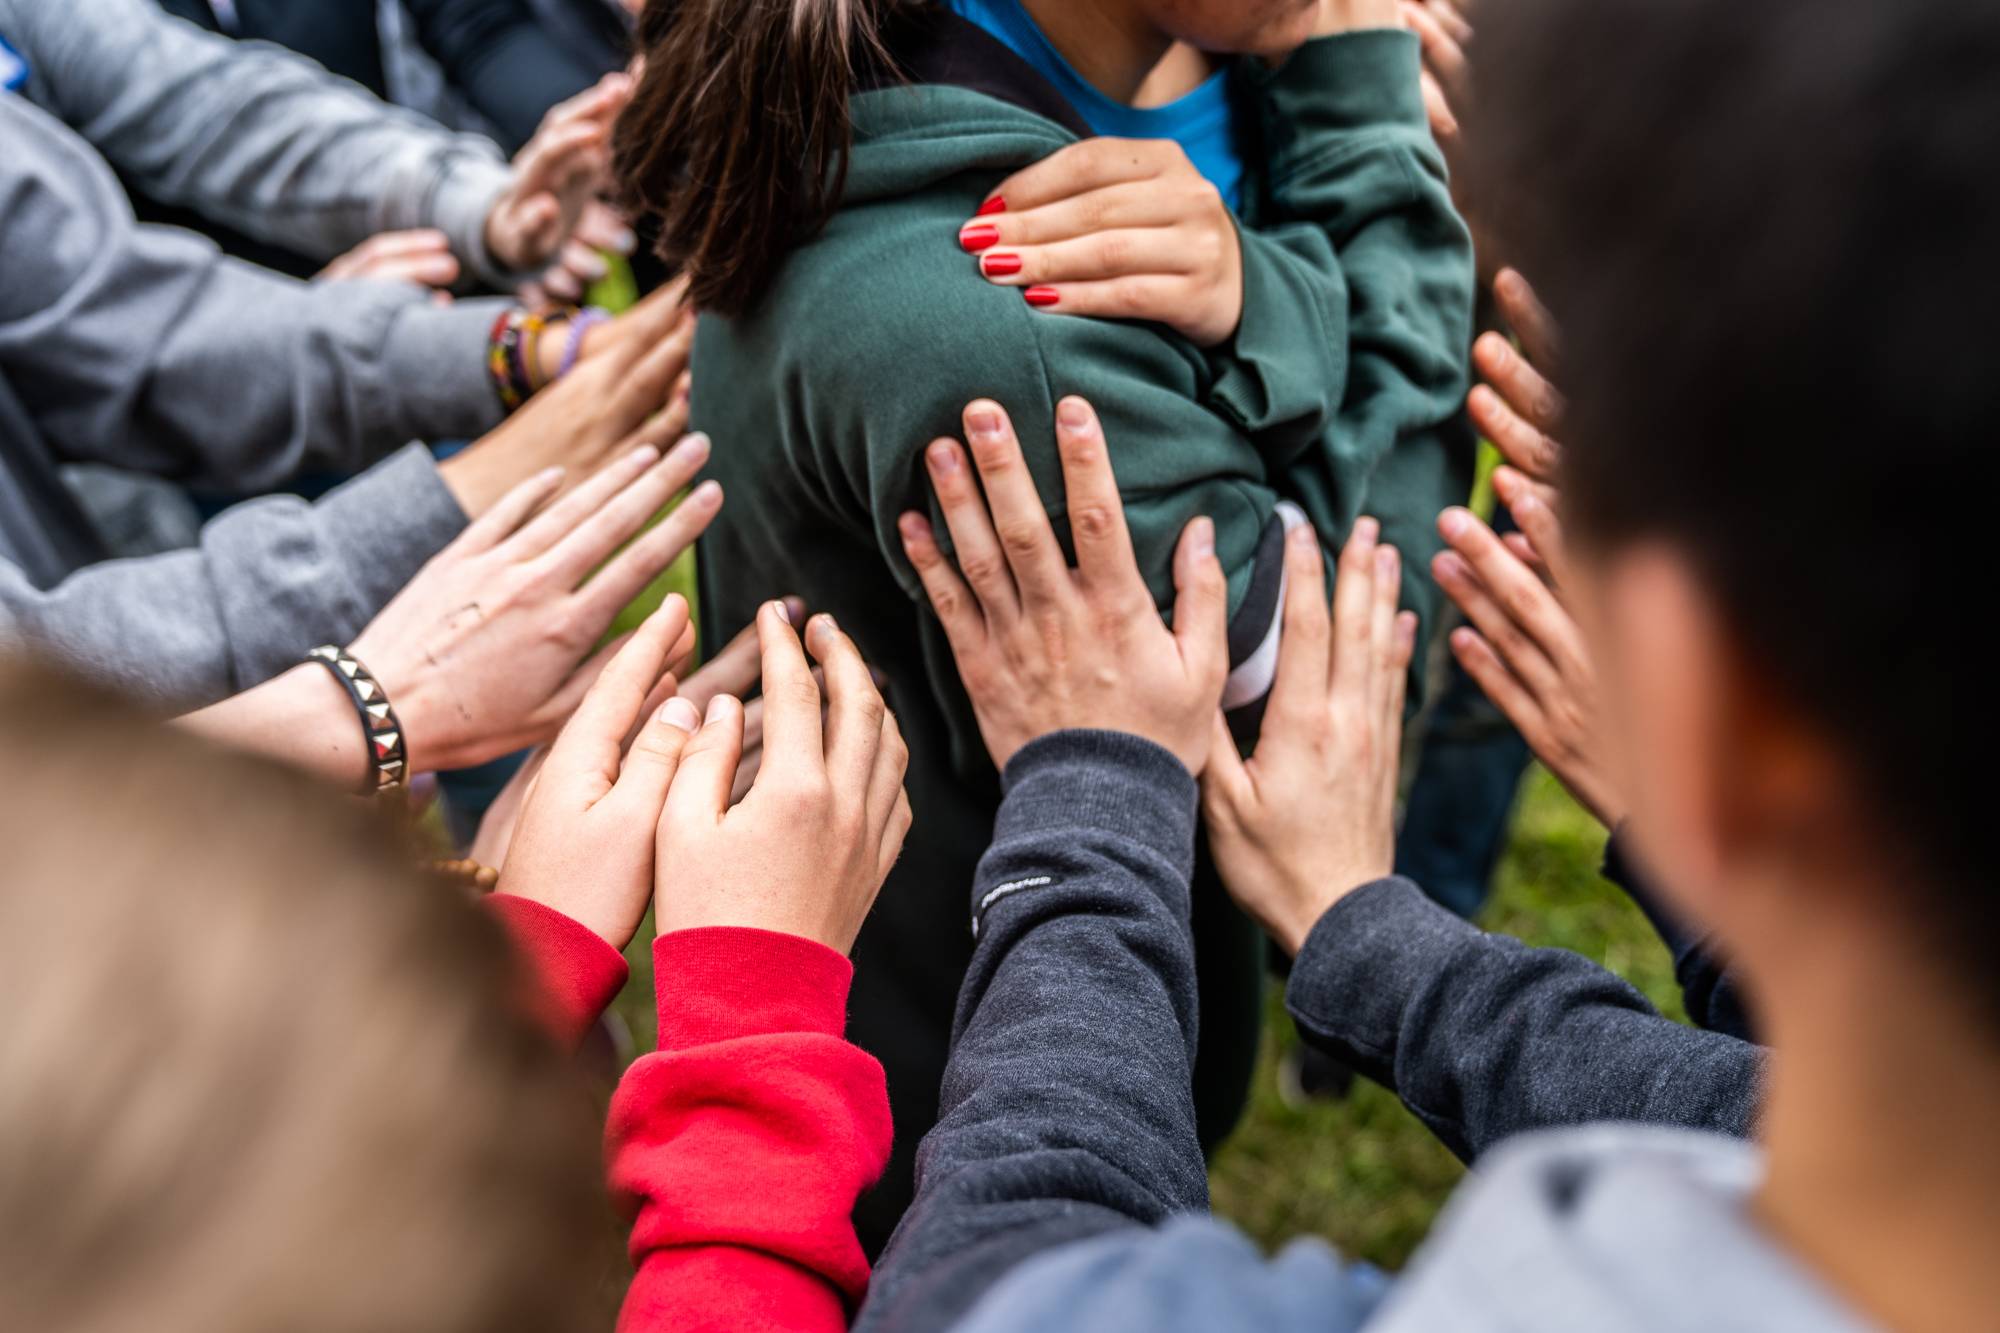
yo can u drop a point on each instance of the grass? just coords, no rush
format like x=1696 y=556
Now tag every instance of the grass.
x=1362 y=1172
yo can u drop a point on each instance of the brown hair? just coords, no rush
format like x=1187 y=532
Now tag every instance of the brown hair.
x=257 y=1071
x=738 y=134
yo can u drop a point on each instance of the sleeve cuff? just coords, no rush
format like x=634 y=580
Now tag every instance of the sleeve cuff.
x=1365 y=957
x=721 y=983
x=1349 y=81
x=463 y=201
x=1103 y=780
x=573 y=972
x=386 y=523
x=442 y=353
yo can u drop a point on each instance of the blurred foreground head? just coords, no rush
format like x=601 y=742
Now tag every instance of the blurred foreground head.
x=256 y=1072
x=1772 y=235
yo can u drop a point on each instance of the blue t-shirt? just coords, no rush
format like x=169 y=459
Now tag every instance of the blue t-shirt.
x=1203 y=122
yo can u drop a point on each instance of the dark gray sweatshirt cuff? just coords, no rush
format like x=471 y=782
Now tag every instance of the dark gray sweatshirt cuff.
x=1087 y=781
x=1362 y=964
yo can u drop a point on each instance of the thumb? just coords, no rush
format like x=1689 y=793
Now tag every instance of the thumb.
x=1225 y=782
x=1201 y=604
x=653 y=760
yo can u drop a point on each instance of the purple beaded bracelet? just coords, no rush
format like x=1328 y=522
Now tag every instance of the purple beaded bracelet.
x=585 y=321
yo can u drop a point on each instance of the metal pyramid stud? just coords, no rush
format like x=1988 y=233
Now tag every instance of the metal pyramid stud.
x=349 y=666
x=389 y=773
x=367 y=689
x=380 y=712
x=386 y=743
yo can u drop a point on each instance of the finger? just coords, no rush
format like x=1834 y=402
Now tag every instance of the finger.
x=1520 y=443
x=1509 y=695
x=735 y=669
x=1144 y=296
x=854 y=707
x=1080 y=168
x=602 y=228
x=1524 y=658
x=628 y=573
x=1201 y=603
x=1530 y=319
x=562 y=285
x=1299 y=689
x=593 y=540
x=550 y=718
x=652 y=761
x=1399 y=679
x=1525 y=598
x=1225 y=782
x=1133 y=205
x=1354 y=612
x=980 y=562
x=581 y=262
x=1096 y=513
x=889 y=761
x=893 y=836
x=1541 y=528
x=1437 y=107
x=554 y=153
x=594 y=737
x=648 y=383
x=1524 y=549
x=793 y=738
x=1157 y=251
x=435 y=270
x=1525 y=389
x=509 y=512
x=1020 y=521
x=705 y=775
x=646 y=323
x=1382 y=623
x=1444 y=55
x=964 y=626
x=1451 y=20
x=748 y=765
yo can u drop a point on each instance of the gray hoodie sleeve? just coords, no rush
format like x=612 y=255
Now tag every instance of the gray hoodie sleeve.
x=146 y=348
x=249 y=134
x=1483 y=1037
x=1067 y=1107
x=271 y=579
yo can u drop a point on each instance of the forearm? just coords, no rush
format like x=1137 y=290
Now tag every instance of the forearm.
x=271 y=579
x=743 y=1143
x=1066 y=1109
x=251 y=135
x=302 y=718
x=1483 y=1037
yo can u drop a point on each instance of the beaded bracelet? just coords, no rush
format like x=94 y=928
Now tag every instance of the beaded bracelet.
x=580 y=325
x=381 y=729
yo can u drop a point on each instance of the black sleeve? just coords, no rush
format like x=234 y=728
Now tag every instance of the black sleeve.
x=1707 y=988
x=1483 y=1037
x=1066 y=1109
x=501 y=58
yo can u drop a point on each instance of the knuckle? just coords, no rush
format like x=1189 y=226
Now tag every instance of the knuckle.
x=983 y=567
x=1020 y=535
x=1114 y=252
x=1092 y=522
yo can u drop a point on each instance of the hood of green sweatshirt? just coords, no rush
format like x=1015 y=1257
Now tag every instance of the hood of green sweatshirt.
x=908 y=139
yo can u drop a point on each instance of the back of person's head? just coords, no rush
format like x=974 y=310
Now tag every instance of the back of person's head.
x=1771 y=233
x=738 y=133
x=258 y=1072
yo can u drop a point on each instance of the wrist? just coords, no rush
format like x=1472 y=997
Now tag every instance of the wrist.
x=302 y=717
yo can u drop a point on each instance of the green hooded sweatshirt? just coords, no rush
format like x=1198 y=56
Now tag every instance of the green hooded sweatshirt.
x=1341 y=393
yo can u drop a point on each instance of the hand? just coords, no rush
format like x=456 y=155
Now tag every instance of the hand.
x=600 y=230
x=1522 y=647
x=627 y=390
x=736 y=671
x=587 y=836
x=1043 y=647
x=1117 y=228
x=422 y=257
x=807 y=850
x=1442 y=32
x=489 y=648
x=1311 y=816
x=556 y=175
x=1518 y=406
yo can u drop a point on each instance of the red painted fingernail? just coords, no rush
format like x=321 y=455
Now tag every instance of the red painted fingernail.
x=1042 y=297
x=999 y=265
x=994 y=205
x=975 y=239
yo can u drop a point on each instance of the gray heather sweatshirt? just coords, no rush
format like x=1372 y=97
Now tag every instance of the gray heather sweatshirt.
x=251 y=135
x=1063 y=1187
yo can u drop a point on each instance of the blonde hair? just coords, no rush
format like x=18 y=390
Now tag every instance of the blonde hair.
x=256 y=1071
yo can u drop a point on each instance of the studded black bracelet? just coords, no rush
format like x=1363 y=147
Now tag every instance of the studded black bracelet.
x=381 y=731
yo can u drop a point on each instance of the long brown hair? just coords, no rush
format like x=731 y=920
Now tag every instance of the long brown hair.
x=258 y=1072
x=738 y=135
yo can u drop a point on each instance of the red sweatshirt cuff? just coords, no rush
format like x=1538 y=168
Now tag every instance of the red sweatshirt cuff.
x=719 y=983
x=573 y=973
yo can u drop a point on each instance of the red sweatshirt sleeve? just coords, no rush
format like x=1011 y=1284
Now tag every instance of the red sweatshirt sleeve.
x=743 y=1143
x=573 y=972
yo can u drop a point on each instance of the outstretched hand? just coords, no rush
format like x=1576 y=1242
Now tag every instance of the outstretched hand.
x=556 y=176
x=1311 y=815
x=1043 y=647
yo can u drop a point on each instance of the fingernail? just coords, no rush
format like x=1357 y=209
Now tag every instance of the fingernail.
x=625 y=241
x=1201 y=540
x=982 y=423
x=549 y=476
x=645 y=455
x=1042 y=297
x=1367 y=528
x=823 y=625
x=784 y=612
x=1000 y=265
x=1074 y=413
x=994 y=205
x=680 y=714
x=692 y=448
x=707 y=494
x=977 y=238
x=718 y=708
x=591 y=266
x=1385 y=561
x=944 y=459
x=1452 y=522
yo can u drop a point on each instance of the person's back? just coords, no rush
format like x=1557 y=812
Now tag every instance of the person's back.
x=827 y=364
x=256 y=1073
